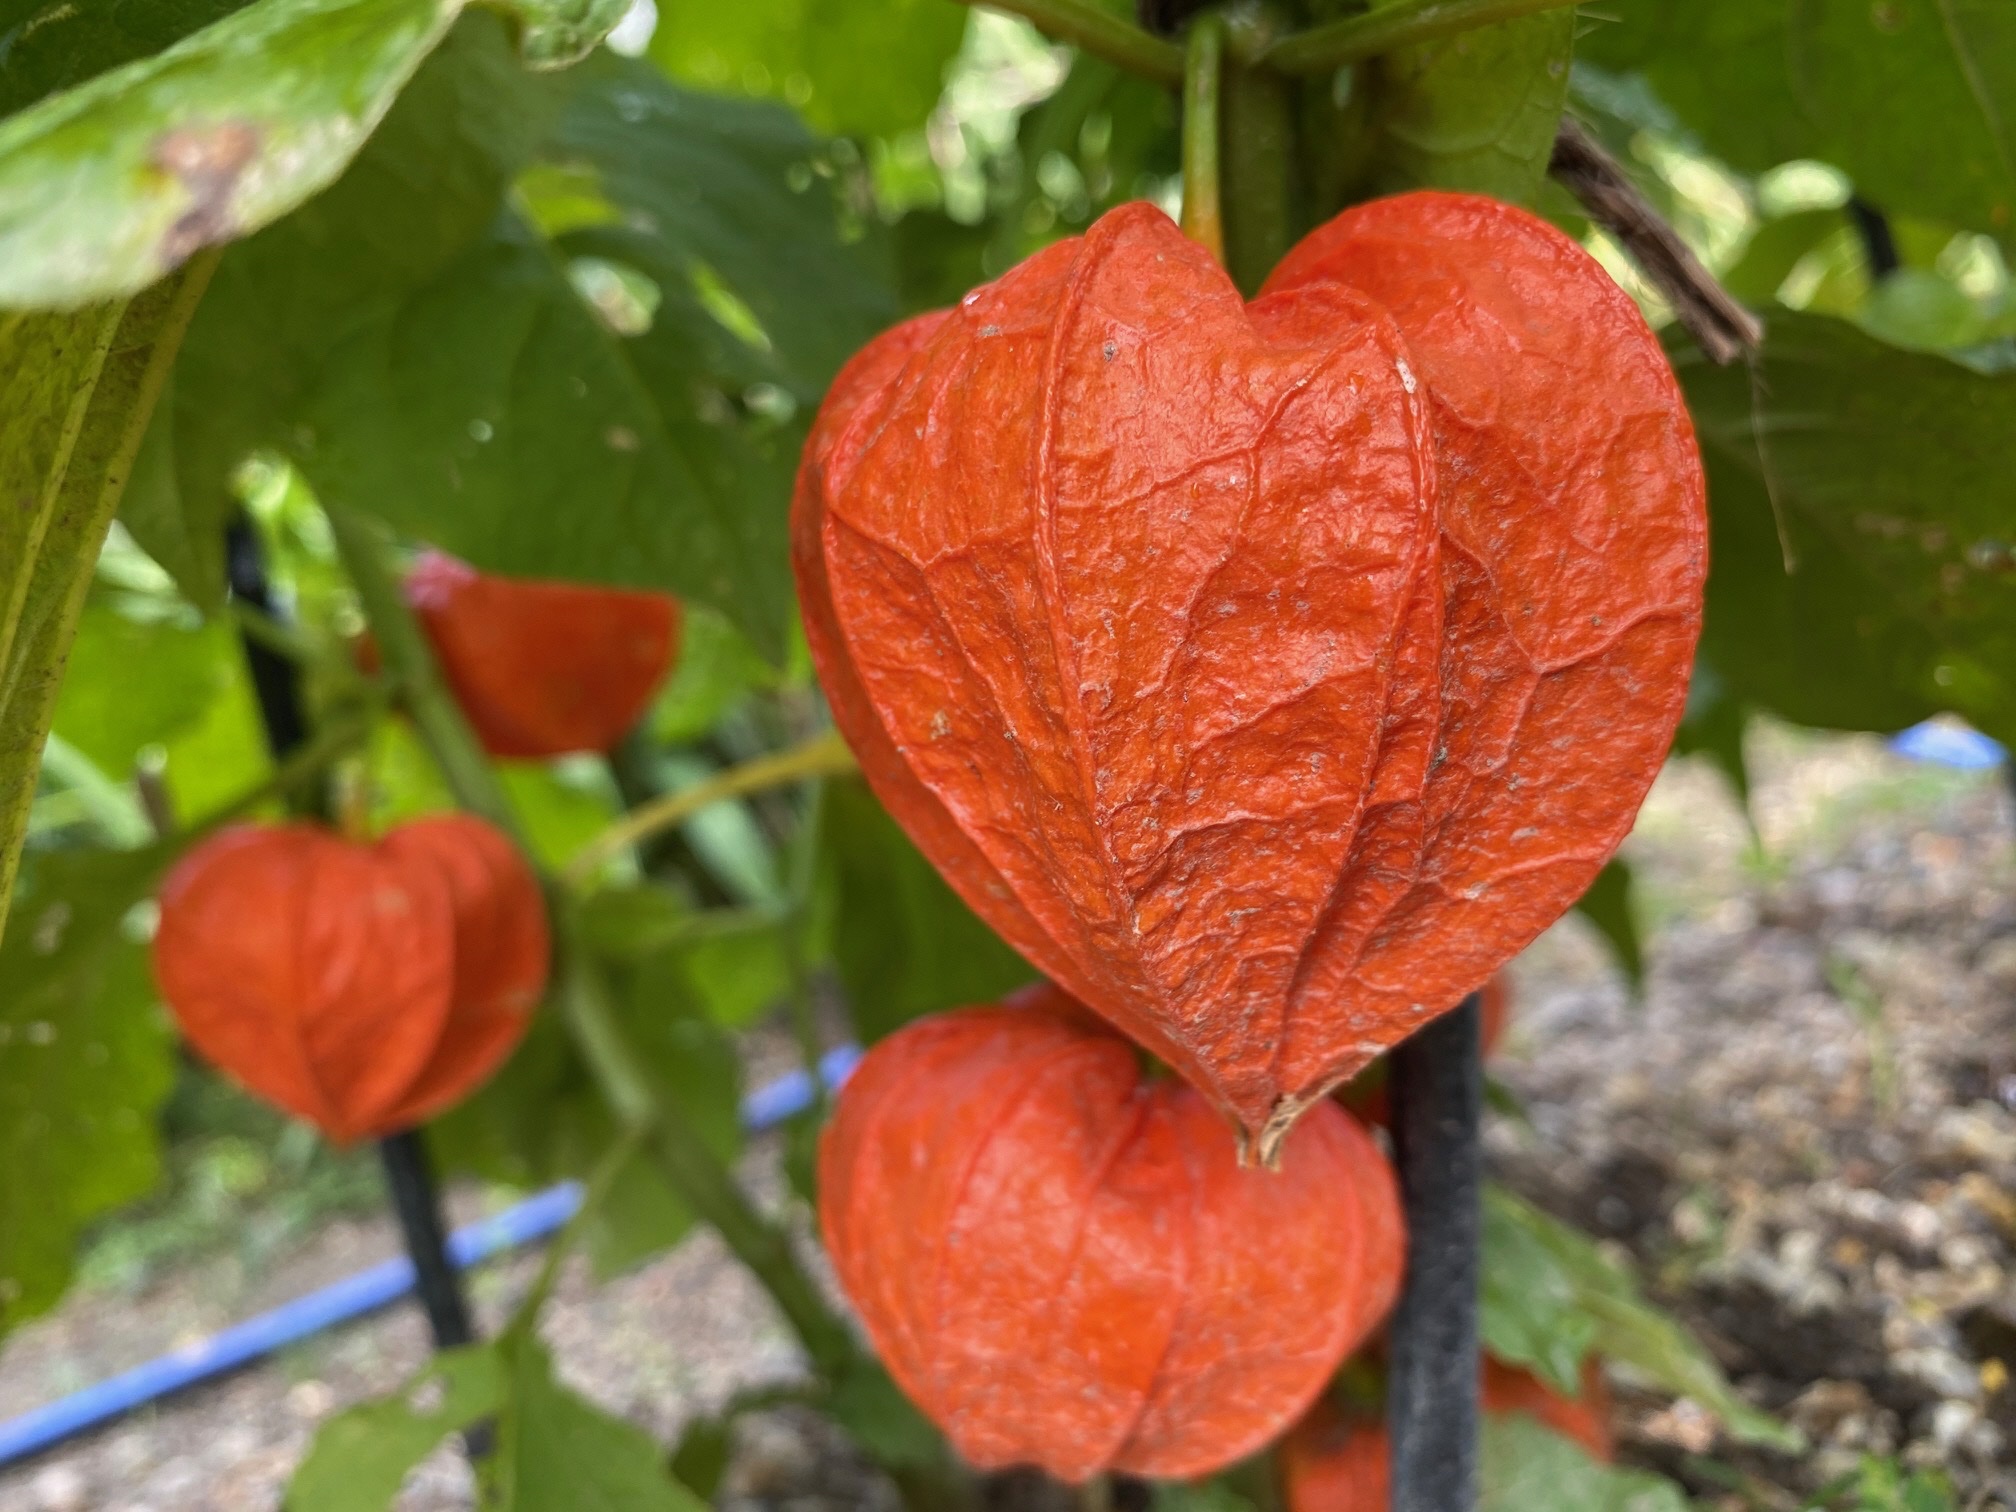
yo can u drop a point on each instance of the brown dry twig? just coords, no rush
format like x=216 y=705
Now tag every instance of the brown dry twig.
x=1712 y=315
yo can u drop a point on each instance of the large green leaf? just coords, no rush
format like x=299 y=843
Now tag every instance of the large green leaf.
x=362 y=1457
x=559 y=1453
x=1550 y=1296
x=108 y=186
x=854 y=67
x=1524 y=1466
x=1477 y=111
x=133 y=682
x=480 y=401
x=904 y=942
x=81 y=389
x=1881 y=477
x=1911 y=97
x=85 y=1059
x=427 y=186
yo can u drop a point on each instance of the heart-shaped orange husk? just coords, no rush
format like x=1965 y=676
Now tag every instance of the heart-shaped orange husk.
x=361 y=987
x=1064 y=1264
x=543 y=668
x=1147 y=618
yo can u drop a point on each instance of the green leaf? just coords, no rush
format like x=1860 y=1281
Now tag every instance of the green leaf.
x=1714 y=726
x=362 y=1457
x=137 y=681
x=1478 y=111
x=426 y=186
x=106 y=187
x=560 y=33
x=1530 y=1308
x=52 y=45
x=1609 y=905
x=1621 y=1326
x=480 y=401
x=1883 y=481
x=81 y=390
x=1524 y=1466
x=905 y=942
x=559 y=1453
x=717 y=668
x=85 y=1061
x=1766 y=81
x=852 y=67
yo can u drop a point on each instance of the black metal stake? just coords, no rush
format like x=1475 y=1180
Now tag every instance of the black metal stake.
x=408 y=1172
x=1432 y=1409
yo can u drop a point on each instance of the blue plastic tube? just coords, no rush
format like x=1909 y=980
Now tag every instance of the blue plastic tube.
x=537 y=1217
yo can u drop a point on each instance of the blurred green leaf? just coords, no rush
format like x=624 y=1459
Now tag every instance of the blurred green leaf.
x=134 y=682
x=85 y=1060
x=1208 y=1496
x=1713 y=726
x=1882 y=479
x=1524 y=1466
x=1530 y=1308
x=52 y=45
x=1776 y=249
x=905 y=942
x=717 y=668
x=106 y=187
x=81 y=390
x=420 y=355
x=1609 y=905
x=1557 y=1262
x=852 y=67
x=560 y=33
x=557 y=1452
x=1908 y=96
x=1476 y=112
x=362 y=1457
x=426 y=186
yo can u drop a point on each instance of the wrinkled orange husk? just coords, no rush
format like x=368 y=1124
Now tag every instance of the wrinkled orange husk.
x=1064 y=1263
x=543 y=668
x=1147 y=619
x=1336 y=1463
x=360 y=987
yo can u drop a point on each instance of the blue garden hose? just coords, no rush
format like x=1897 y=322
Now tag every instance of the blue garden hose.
x=535 y=1218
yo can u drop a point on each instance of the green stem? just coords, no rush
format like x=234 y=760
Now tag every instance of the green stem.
x=696 y=1172
x=1203 y=77
x=1262 y=218
x=824 y=755
x=1336 y=43
x=633 y=1096
x=1102 y=34
x=804 y=876
x=336 y=738
x=282 y=640
x=366 y=554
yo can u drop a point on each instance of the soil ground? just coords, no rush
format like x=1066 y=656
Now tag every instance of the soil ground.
x=1804 y=1132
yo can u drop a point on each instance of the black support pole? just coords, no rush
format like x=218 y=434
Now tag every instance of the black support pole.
x=408 y=1173
x=1432 y=1409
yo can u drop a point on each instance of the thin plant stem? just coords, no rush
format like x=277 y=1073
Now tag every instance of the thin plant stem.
x=280 y=638
x=697 y=1172
x=620 y=1072
x=804 y=869
x=337 y=738
x=824 y=755
x=1102 y=34
x=366 y=554
x=1203 y=77
x=1262 y=193
x=1336 y=43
